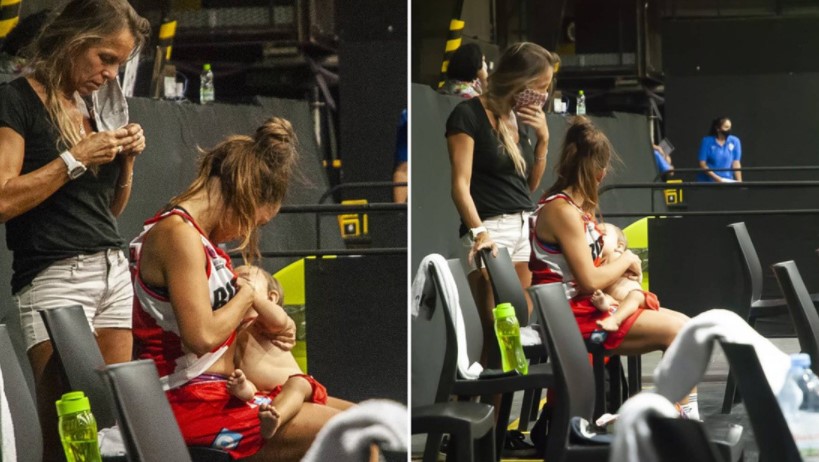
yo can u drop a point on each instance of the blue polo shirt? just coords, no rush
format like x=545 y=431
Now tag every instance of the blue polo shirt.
x=716 y=156
x=662 y=164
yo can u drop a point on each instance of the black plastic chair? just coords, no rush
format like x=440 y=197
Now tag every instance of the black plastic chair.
x=452 y=383
x=754 y=306
x=506 y=289
x=28 y=437
x=146 y=420
x=470 y=425
x=771 y=431
x=574 y=381
x=682 y=440
x=79 y=355
x=80 y=359
x=803 y=312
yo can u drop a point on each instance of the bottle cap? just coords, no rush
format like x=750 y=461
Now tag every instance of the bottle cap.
x=503 y=310
x=580 y=92
x=800 y=360
x=206 y=67
x=72 y=402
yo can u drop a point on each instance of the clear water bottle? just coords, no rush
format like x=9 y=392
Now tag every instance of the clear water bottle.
x=799 y=401
x=581 y=103
x=78 y=428
x=507 y=330
x=206 y=89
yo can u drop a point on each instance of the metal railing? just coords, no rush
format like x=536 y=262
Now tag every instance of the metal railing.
x=703 y=185
x=740 y=169
x=328 y=209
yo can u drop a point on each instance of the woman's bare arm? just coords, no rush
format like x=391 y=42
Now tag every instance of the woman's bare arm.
x=173 y=257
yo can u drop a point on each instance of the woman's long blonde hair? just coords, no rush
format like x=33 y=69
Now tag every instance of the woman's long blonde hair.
x=252 y=172
x=80 y=25
x=520 y=65
x=586 y=153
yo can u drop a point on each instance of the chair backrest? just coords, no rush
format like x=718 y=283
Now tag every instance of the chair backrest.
x=27 y=435
x=574 y=380
x=434 y=352
x=147 y=423
x=472 y=321
x=505 y=283
x=751 y=266
x=681 y=440
x=76 y=347
x=771 y=431
x=803 y=312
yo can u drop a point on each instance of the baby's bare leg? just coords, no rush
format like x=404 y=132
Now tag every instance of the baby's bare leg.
x=603 y=301
x=285 y=405
x=239 y=386
x=620 y=289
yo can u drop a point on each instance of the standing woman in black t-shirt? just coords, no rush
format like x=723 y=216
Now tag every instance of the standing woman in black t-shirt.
x=66 y=165
x=497 y=147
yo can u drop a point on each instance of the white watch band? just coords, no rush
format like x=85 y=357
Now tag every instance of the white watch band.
x=473 y=232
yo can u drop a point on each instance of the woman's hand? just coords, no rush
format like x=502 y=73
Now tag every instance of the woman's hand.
x=482 y=241
x=135 y=147
x=102 y=147
x=535 y=118
x=635 y=268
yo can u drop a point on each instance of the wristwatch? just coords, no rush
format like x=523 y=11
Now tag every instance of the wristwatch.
x=473 y=232
x=75 y=167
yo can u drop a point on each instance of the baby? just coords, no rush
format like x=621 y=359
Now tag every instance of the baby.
x=265 y=372
x=608 y=300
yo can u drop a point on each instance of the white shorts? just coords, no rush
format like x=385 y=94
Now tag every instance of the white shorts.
x=509 y=231
x=99 y=282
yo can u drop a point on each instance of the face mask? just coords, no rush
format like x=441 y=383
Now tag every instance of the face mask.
x=529 y=97
x=725 y=133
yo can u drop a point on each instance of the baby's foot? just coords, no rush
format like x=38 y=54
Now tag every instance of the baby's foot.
x=599 y=301
x=270 y=420
x=609 y=324
x=239 y=386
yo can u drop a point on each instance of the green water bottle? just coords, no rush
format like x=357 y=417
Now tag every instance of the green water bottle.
x=507 y=330
x=78 y=428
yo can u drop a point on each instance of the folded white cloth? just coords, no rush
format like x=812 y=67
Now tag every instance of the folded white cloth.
x=111 y=443
x=347 y=437
x=632 y=436
x=529 y=336
x=685 y=361
x=9 y=449
x=422 y=289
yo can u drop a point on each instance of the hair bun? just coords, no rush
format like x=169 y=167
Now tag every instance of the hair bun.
x=275 y=131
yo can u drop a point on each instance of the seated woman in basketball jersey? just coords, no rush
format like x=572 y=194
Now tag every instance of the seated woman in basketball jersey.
x=567 y=243
x=190 y=304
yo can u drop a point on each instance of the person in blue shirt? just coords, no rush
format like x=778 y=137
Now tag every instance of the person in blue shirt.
x=663 y=161
x=720 y=149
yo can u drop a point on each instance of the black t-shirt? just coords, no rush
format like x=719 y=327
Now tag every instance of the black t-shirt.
x=495 y=187
x=76 y=219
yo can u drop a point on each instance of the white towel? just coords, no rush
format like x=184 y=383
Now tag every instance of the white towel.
x=347 y=437
x=529 y=336
x=111 y=443
x=685 y=361
x=421 y=288
x=632 y=440
x=9 y=450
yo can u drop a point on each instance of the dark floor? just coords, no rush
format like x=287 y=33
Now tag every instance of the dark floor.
x=710 y=389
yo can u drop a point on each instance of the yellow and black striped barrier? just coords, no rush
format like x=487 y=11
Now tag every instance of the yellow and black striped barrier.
x=167 y=31
x=9 y=16
x=456 y=28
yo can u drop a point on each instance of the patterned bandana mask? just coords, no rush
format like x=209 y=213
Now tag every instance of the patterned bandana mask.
x=529 y=97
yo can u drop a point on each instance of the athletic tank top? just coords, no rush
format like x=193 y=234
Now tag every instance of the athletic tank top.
x=155 y=329
x=547 y=262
